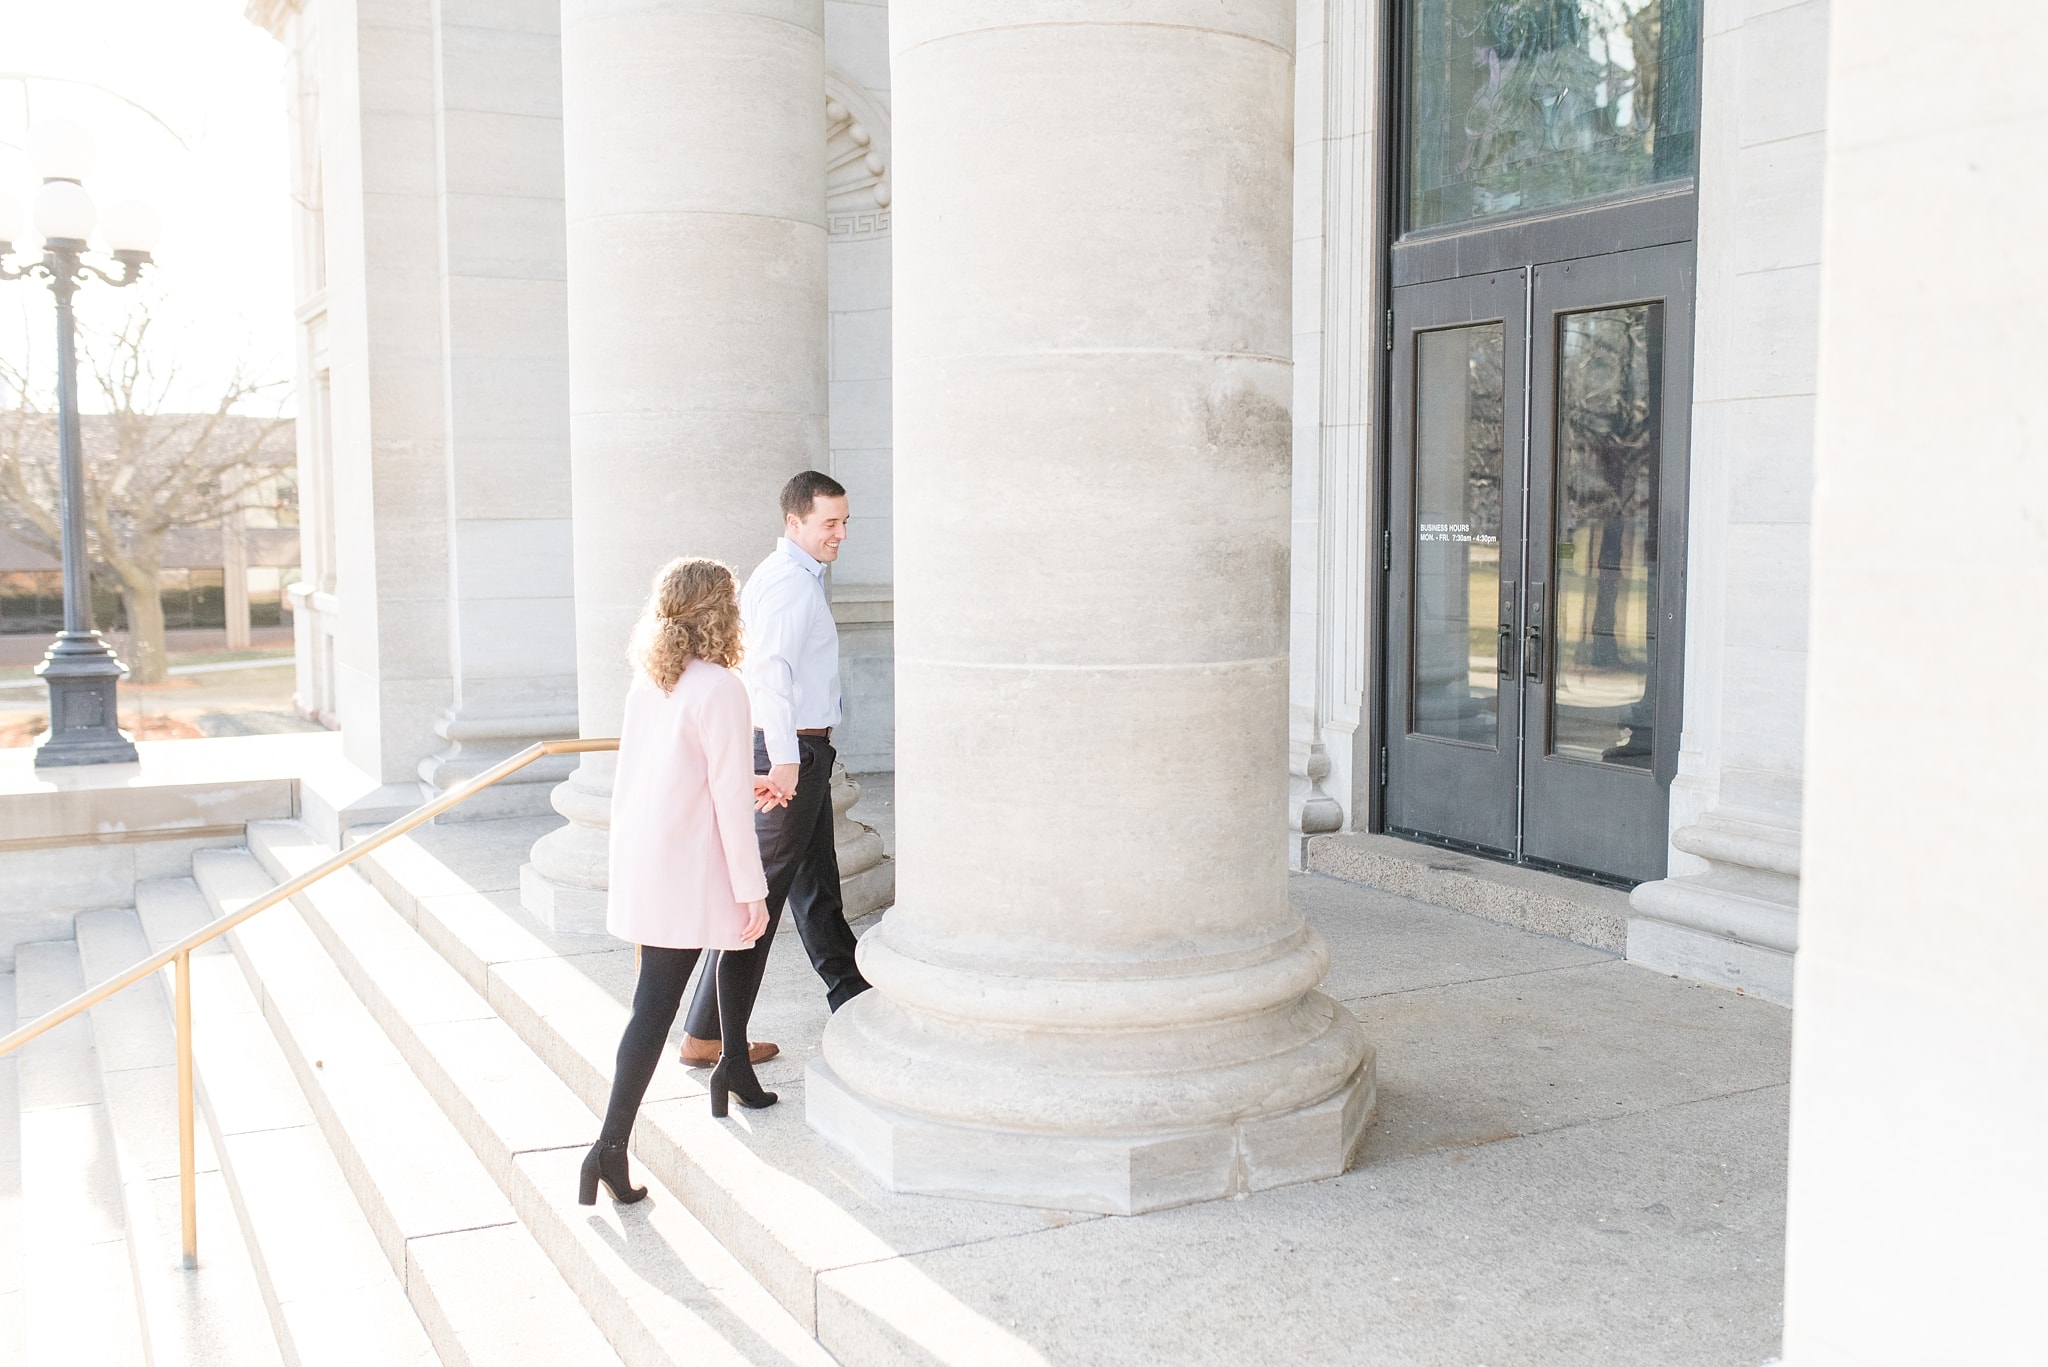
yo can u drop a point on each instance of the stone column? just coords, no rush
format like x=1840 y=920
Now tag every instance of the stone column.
x=1093 y=992
x=1917 y=1194
x=385 y=401
x=695 y=193
x=1729 y=911
x=511 y=619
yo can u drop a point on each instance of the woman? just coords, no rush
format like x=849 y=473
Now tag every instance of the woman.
x=685 y=869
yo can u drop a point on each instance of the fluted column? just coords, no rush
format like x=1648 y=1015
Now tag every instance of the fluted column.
x=1093 y=992
x=695 y=196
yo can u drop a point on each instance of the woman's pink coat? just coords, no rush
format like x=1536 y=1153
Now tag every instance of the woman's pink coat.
x=684 y=861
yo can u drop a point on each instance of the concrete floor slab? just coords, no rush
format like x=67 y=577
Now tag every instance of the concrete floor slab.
x=1382 y=942
x=1479 y=1061
x=1655 y=1238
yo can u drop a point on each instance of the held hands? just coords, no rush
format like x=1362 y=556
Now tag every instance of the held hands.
x=757 y=922
x=775 y=788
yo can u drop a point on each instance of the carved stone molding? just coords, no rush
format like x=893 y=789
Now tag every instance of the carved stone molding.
x=857 y=169
x=273 y=16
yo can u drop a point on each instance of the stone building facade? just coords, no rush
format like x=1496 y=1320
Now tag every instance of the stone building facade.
x=1262 y=420
x=438 y=612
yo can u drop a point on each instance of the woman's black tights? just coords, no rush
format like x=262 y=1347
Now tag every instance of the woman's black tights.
x=664 y=973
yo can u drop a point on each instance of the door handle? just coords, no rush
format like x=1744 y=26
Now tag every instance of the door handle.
x=1532 y=636
x=1504 y=642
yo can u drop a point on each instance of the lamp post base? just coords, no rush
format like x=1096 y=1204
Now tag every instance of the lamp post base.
x=84 y=714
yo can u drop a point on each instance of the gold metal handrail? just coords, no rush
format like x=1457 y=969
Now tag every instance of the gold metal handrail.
x=180 y=954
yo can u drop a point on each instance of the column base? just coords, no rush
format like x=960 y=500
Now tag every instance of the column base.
x=871 y=890
x=106 y=746
x=562 y=907
x=1735 y=925
x=867 y=876
x=475 y=743
x=1753 y=970
x=85 y=726
x=565 y=882
x=1110 y=1175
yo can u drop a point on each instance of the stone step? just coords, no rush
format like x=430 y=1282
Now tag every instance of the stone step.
x=12 y=1348
x=1516 y=895
x=792 y=1212
x=330 y=1296
x=78 y=1280
x=478 y=1281
x=654 y=1280
x=212 y=1315
x=569 y=1008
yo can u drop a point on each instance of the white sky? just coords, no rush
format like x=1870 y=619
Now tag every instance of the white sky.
x=221 y=290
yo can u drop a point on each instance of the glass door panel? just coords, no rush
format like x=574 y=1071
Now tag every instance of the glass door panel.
x=1603 y=697
x=1460 y=421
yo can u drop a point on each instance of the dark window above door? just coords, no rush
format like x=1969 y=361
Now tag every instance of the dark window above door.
x=1518 y=106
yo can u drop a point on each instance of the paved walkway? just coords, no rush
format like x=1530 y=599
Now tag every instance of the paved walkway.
x=1575 y=1161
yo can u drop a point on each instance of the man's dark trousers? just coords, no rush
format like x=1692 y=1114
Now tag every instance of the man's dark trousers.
x=802 y=865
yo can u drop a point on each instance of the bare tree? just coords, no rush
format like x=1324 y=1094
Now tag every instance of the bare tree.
x=147 y=470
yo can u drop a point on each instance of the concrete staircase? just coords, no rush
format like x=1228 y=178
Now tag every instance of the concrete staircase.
x=96 y=1241
x=387 y=1165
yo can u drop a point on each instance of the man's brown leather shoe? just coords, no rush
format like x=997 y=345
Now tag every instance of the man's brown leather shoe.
x=703 y=1053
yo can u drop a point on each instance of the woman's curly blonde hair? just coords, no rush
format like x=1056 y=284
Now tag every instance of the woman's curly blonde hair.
x=692 y=613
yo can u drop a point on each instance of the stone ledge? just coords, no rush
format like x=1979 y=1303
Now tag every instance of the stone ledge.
x=76 y=839
x=178 y=789
x=1546 y=903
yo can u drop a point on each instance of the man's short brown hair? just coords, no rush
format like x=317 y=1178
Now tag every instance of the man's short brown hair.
x=807 y=488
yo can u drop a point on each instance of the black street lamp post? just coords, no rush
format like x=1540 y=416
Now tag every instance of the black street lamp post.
x=80 y=667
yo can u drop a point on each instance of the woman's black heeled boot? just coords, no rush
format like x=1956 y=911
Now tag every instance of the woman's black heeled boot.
x=606 y=1162
x=739 y=979
x=736 y=1076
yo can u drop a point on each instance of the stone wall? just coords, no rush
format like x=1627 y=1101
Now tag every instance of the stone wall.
x=1918 y=1193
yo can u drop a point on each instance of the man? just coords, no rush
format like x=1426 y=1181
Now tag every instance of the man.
x=791 y=668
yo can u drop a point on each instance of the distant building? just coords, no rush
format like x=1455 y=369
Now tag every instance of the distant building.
x=223 y=584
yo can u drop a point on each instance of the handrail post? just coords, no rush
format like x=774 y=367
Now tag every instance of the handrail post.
x=188 y=1159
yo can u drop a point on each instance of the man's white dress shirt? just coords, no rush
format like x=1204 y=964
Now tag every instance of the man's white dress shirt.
x=791 y=664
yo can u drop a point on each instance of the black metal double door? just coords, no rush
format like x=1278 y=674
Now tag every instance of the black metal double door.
x=1536 y=554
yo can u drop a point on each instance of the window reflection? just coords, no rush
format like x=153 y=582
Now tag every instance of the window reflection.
x=1525 y=104
x=1603 y=694
x=1459 y=408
